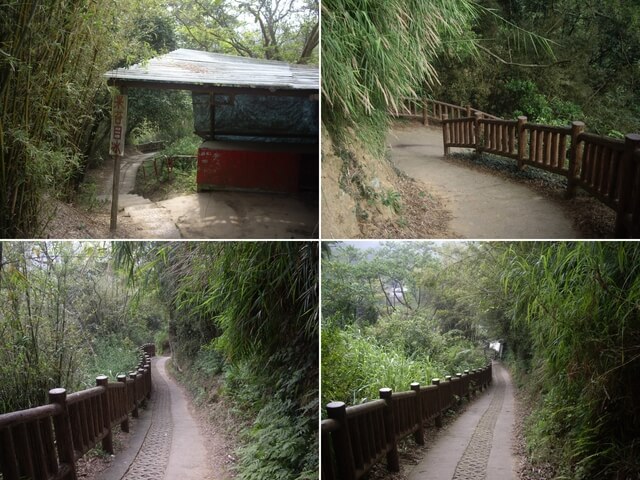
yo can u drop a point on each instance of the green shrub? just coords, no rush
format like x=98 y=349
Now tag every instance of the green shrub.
x=277 y=445
x=113 y=356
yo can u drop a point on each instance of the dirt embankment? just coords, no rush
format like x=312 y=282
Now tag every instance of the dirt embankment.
x=365 y=197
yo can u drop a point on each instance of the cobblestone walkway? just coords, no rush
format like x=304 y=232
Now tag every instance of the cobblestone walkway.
x=166 y=442
x=477 y=445
x=476 y=456
x=152 y=458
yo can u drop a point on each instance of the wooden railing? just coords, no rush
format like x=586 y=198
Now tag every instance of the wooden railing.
x=355 y=438
x=45 y=442
x=433 y=110
x=606 y=168
x=151 y=146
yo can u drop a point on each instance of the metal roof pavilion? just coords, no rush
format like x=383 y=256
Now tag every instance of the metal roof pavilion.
x=203 y=71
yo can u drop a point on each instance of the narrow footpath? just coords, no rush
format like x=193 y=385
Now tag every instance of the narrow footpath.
x=478 y=444
x=205 y=215
x=166 y=443
x=482 y=205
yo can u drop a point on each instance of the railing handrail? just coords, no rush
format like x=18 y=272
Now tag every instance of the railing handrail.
x=85 y=417
x=602 y=166
x=349 y=455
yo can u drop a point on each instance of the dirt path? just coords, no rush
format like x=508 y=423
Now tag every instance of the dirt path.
x=482 y=205
x=204 y=215
x=167 y=443
x=478 y=444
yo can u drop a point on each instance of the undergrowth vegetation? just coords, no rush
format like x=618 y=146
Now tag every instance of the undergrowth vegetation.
x=384 y=325
x=575 y=334
x=158 y=179
x=67 y=315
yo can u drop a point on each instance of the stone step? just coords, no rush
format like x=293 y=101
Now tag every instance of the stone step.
x=153 y=220
x=125 y=200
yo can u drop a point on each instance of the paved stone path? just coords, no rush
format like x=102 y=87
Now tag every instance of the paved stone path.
x=166 y=443
x=482 y=205
x=478 y=444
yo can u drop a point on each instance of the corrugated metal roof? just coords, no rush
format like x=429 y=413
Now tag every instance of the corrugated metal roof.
x=193 y=67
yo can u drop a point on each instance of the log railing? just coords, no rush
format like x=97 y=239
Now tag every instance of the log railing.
x=432 y=110
x=355 y=438
x=606 y=168
x=45 y=442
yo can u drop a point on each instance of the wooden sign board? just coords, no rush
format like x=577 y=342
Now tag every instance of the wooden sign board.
x=118 y=125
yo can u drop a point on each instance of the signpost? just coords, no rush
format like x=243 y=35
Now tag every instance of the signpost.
x=116 y=148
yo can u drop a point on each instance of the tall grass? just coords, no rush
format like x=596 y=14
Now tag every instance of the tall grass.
x=578 y=305
x=356 y=365
x=375 y=52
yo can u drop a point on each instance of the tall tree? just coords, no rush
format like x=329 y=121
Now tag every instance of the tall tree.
x=272 y=29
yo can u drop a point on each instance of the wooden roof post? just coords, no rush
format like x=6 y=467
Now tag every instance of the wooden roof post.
x=116 y=148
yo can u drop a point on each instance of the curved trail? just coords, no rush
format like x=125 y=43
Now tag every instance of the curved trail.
x=478 y=444
x=482 y=205
x=167 y=443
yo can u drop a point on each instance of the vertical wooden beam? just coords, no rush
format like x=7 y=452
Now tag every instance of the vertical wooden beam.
x=436 y=382
x=124 y=425
x=107 y=441
x=629 y=172
x=342 y=441
x=477 y=116
x=393 y=460
x=445 y=134
x=418 y=435
x=425 y=116
x=62 y=428
x=132 y=377
x=116 y=177
x=574 y=158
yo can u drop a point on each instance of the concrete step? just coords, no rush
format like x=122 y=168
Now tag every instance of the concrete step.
x=125 y=200
x=155 y=221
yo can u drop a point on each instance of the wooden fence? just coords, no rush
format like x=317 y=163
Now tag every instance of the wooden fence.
x=44 y=443
x=607 y=168
x=355 y=438
x=151 y=146
x=432 y=110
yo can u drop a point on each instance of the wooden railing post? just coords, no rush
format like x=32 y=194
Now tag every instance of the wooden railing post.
x=132 y=377
x=468 y=111
x=418 y=435
x=469 y=393
x=425 y=114
x=575 y=157
x=445 y=134
x=107 y=441
x=629 y=174
x=438 y=421
x=522 y=141
x=342 y=441
x=459 y=377
x=62 y=427
x=124 y=425
x=477 y=131
x=393 y=460
x=147 y=380
x=141 y=390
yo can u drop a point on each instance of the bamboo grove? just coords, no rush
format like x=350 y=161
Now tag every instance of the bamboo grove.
x=52 y=56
